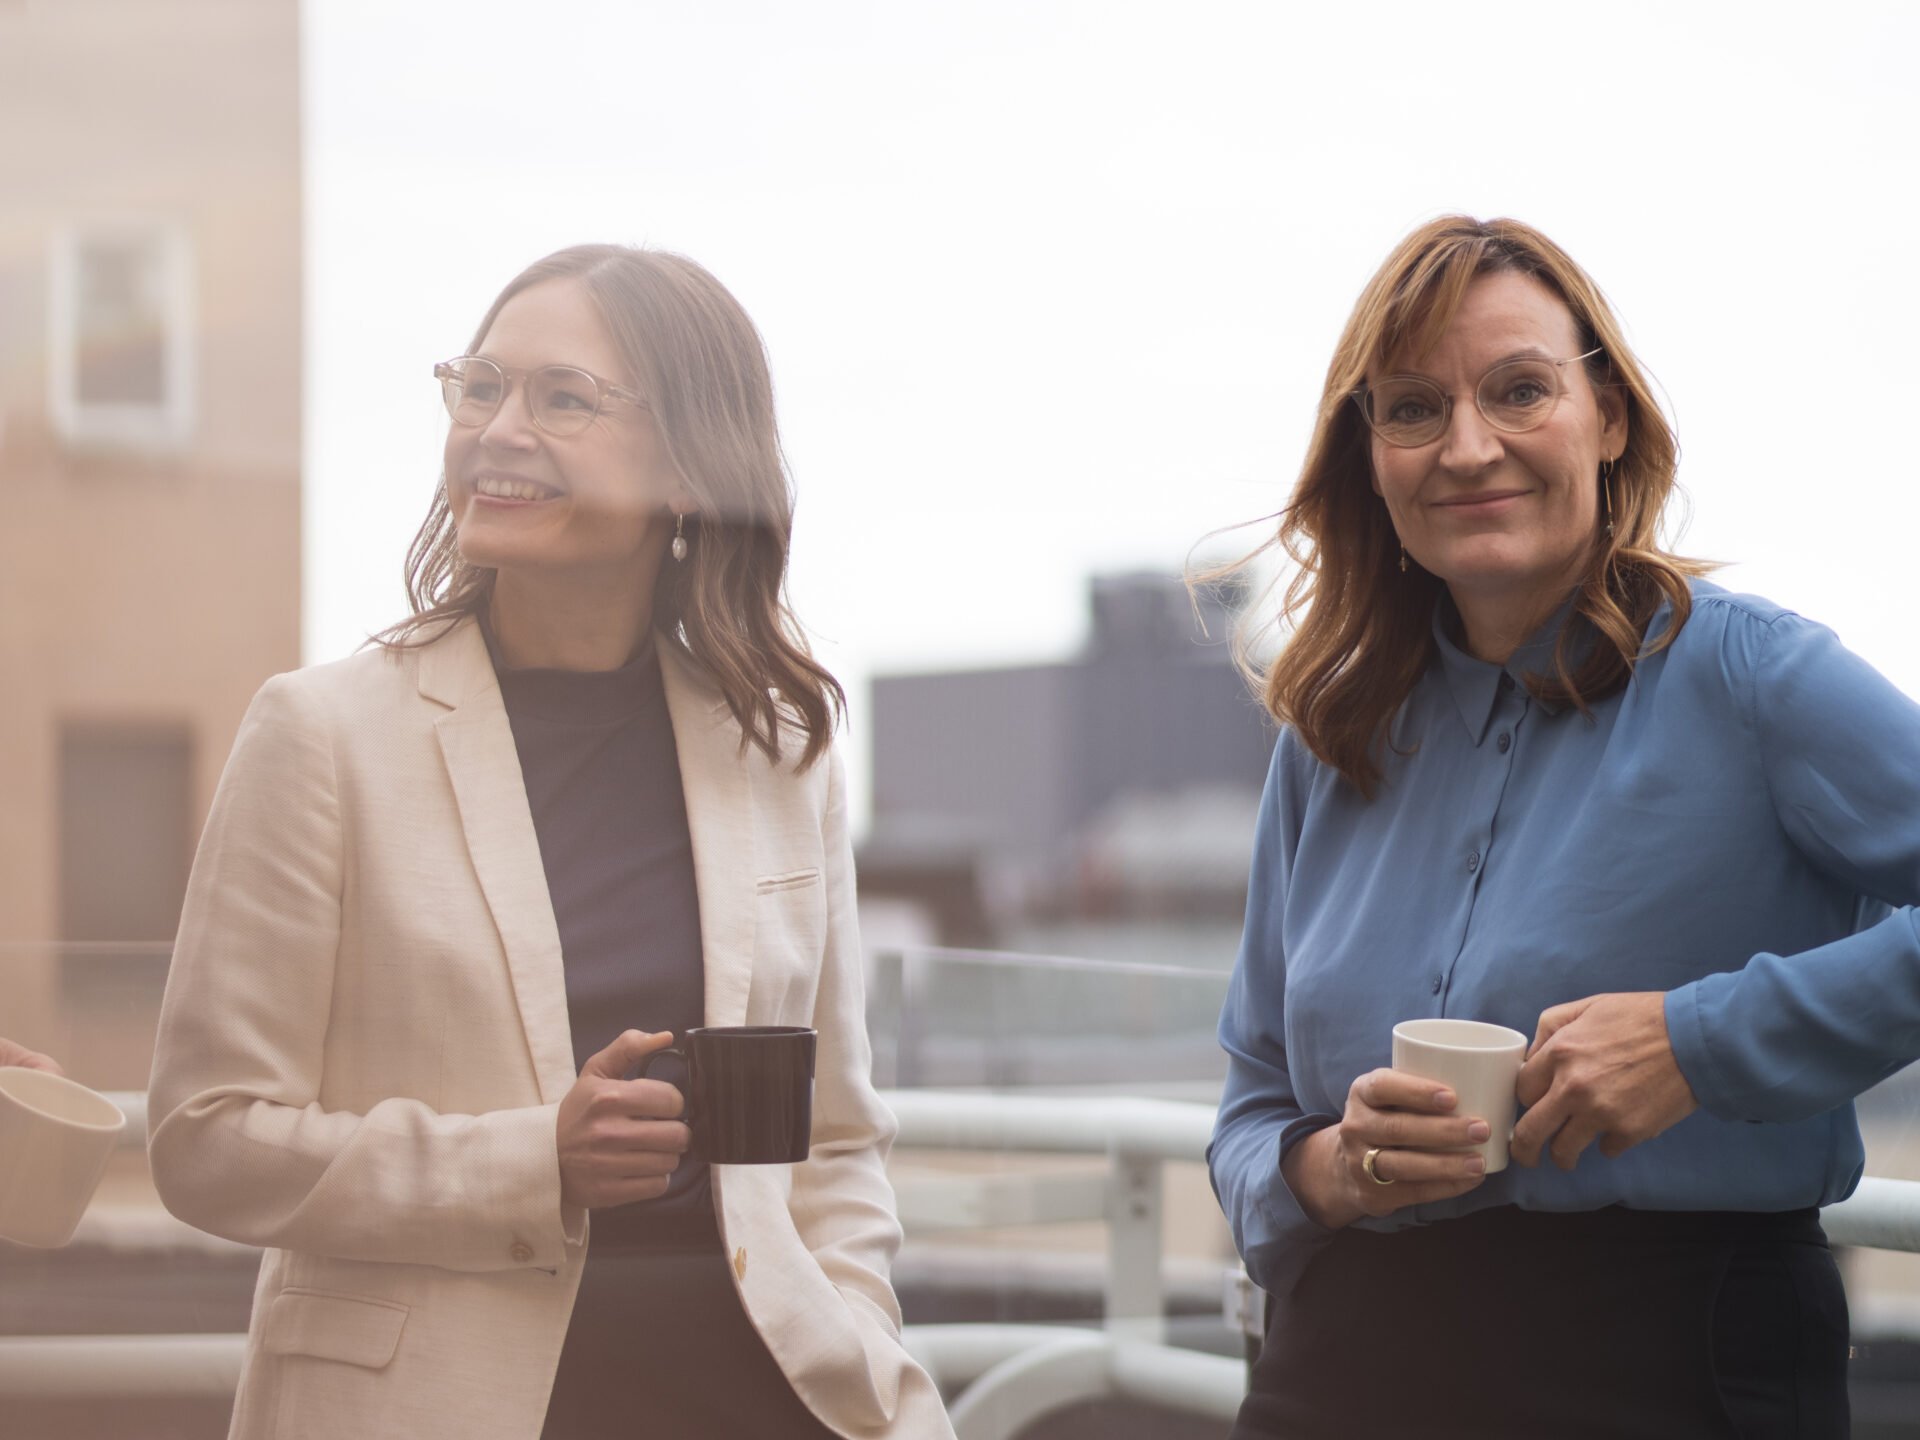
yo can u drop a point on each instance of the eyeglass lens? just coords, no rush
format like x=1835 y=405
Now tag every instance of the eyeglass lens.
x=1406 y=410
x=562 y=400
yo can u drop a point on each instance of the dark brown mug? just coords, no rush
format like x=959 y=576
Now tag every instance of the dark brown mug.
x=749 y=1091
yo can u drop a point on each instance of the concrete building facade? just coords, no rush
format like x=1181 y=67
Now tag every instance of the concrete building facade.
x=150 y=450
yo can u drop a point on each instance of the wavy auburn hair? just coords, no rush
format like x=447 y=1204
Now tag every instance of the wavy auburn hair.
x=1361 y=630
x=701 y=365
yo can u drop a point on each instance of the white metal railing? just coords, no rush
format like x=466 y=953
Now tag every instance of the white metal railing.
x=119 y=1367
x=1006 y=1376
x=1879 y=1215
x=1138 y=1136
x=1010 y=1376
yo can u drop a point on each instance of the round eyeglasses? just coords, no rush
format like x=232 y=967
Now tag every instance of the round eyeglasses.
x=561 y=399
x=1515 y=396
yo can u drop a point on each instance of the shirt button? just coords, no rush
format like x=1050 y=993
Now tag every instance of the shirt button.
x=1506 y=681
x=1473 y=862
x=1436 y=984
x=1506 y=742
x=520 y=1253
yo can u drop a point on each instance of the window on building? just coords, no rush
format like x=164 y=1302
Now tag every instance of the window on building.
x=125 y=843
x=126 y=831
x=121 y=337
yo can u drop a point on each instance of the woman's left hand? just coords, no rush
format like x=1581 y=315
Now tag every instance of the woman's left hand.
x=1599 y=1069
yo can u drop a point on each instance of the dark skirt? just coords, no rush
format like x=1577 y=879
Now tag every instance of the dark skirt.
x=1613 y=1323
x=659 y=1345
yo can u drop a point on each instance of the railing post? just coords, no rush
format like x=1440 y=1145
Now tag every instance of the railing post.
x=1135 y=1306
x=908 y=1072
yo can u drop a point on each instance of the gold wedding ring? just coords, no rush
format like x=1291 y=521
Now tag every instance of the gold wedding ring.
x=1366 y=1164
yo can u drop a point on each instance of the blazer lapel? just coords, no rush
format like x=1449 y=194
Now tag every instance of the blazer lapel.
x=718 y=784
x=476 y=740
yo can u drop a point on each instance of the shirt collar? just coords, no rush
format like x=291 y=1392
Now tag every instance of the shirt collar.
x=1476 y=684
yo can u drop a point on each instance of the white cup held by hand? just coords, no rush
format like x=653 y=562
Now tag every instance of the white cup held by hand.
x=56 y=1136
x=1480 y=1063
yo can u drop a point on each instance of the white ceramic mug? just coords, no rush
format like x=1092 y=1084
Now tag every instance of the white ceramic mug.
x=55 y=1139
x=1479 y=1062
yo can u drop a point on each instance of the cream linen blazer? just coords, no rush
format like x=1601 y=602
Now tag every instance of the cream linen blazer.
x=364 y=1043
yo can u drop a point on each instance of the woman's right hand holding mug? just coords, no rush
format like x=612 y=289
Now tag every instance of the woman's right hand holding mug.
x=1409 y=1125
x=619 y=1140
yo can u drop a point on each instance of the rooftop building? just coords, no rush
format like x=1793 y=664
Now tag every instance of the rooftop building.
x=1123 y=780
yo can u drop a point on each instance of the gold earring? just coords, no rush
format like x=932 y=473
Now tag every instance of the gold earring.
x=1403 y=559
x=680 y=536
x=1606 y=489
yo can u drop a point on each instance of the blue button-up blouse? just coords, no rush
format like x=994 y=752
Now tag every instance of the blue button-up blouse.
x=1739 y=827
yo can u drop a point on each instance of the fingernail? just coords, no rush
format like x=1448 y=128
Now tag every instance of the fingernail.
x=1479 y=1130
x=1445 y=1099
x=1476 y=1165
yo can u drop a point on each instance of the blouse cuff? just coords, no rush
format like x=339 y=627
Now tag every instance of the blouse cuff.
x=1295 y=1236
x=1687 y=1034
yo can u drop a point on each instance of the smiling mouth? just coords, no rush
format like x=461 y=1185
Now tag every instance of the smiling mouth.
x=496 y=486
x=1468 y=502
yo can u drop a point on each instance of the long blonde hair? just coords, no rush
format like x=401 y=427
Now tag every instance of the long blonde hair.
x=703 y=369
x=1361 y=630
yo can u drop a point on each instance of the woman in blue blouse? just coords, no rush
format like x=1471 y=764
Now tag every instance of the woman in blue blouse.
x=1534 y=771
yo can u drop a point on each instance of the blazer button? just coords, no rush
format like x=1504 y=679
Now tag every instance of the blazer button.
x=521 y=1252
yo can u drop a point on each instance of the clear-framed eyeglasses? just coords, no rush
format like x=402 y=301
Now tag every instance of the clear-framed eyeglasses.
x=561 y=399
x=1515 y=396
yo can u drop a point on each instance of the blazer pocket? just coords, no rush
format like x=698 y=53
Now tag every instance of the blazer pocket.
x=348 y=1328
x=788 y=880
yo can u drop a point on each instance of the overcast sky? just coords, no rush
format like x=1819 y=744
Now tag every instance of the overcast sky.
x=1049 y=287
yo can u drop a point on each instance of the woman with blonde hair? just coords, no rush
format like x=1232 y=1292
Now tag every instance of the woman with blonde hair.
x=1534 y=770
x=453 y=890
